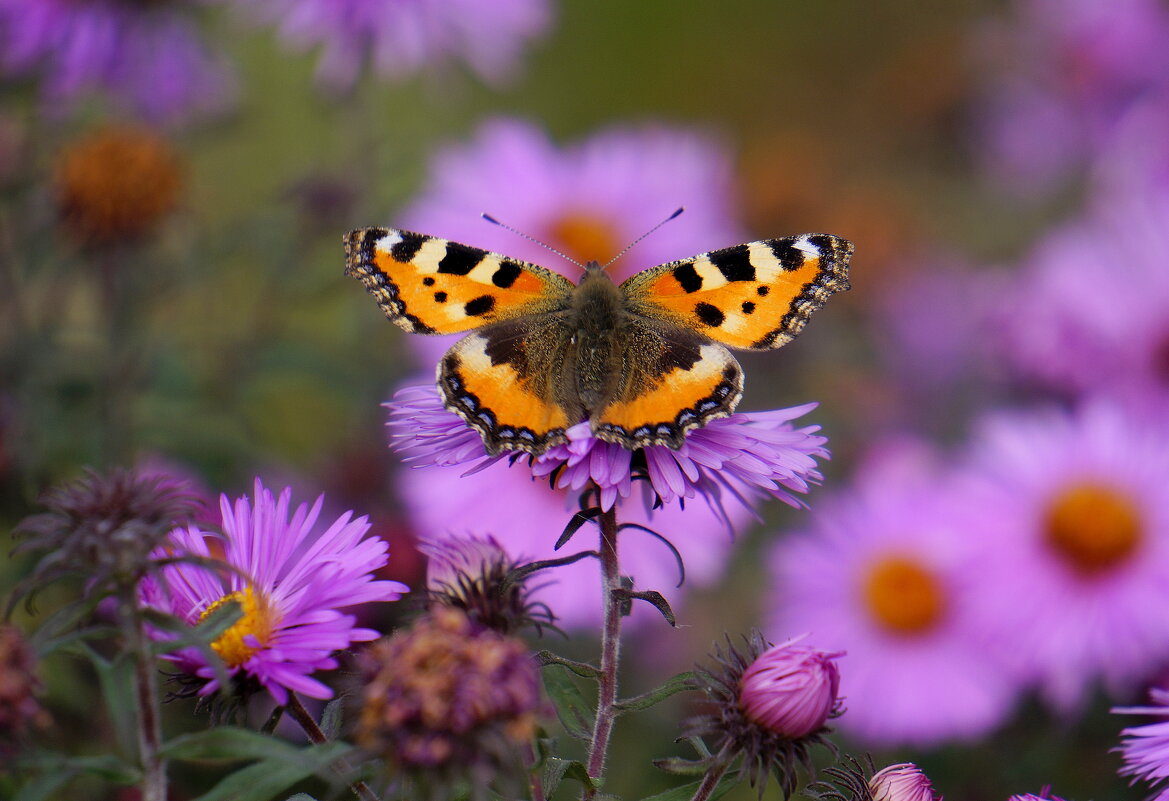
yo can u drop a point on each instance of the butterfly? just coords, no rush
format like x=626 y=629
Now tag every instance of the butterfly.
x=643 y=362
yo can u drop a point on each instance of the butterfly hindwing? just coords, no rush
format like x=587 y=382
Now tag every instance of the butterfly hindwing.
x=756 y=296
x=504 y=381
x=674 y=380
x=428 y=285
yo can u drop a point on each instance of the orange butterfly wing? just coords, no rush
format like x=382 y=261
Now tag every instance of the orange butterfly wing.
x=756 y=296
x=428 y=285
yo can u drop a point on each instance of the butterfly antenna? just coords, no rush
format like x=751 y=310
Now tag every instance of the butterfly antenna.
x=626 y=249
x=531 y=238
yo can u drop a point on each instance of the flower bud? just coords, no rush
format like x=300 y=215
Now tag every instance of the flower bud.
x=901 y=782
x=790 y=690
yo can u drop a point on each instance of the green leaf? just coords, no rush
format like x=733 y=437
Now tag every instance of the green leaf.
x=301 y=797
x=686 y=791
x=263 y=780
x=116 y=681
x=56 y=772
x=575 y=712
x=674 y=685
x=233 y=744
x=332 y=716
x=582 y=669
x=184 y=635
x=557 y=769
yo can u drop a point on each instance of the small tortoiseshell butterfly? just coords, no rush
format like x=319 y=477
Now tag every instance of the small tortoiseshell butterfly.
x=643 y=362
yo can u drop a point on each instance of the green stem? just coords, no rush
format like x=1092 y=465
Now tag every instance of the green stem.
x=147 y=707
x=309 y=724
x=610 y=646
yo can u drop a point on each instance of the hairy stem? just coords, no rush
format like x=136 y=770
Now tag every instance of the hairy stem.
x=309 y=724
x=149 y=714
x=610 y=645
x=713 y=775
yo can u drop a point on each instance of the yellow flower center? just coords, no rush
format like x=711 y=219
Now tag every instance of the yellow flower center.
x=585 y=237
x=1094 y=527
x=257 y=621
x=903 y=595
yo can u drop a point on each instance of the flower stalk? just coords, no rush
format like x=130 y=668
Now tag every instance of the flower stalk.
x=153 y=786
x=610 y=645
x=714 y=774
x=311 y=728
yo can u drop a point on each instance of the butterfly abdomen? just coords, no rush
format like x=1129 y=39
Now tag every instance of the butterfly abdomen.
x=598 y=317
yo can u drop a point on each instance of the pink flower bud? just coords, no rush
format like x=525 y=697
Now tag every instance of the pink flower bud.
x=790 y=691
x=903 y=782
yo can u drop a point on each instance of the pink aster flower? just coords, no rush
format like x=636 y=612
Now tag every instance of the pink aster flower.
x=1096 y=292
x=886 y=574
x=1146 y=748
x=722 y=470
x=397 y=38
x=1074 y=516
x=145 y=56
x=290 y=578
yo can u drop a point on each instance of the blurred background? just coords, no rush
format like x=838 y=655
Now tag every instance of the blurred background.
x=176 y=178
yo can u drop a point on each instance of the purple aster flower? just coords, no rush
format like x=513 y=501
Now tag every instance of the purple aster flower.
x=401 y=37
x=1146 y=748
x=145 y=56
x=1072 y=511
x=1076 y=333
x=886 y=574
x=1073 y=68
x=742 y=458
x=290 y=578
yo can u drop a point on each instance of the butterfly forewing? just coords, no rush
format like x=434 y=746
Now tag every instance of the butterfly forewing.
x=755 y=296
x=428 y=285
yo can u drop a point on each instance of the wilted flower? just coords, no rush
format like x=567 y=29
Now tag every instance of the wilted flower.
x=103 y=528
x=397 y=39
x=478 y=577
x=144 y=55
x=448 y=698
x=117 y=184
x=768 y=706
x=20 y=711
x=1146 y=748
x=289 y=577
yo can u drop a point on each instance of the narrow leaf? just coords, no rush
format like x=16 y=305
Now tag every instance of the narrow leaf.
x=574 y=711
x=686 y=791
x=557 y=769
x=582 y=669
x=674 y=685
x=263 y=780
x=574 y=525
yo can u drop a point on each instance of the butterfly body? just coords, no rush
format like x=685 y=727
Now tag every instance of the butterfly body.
x=640 y=361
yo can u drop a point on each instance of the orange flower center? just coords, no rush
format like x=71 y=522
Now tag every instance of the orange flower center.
x=117 y=184
x=236 y=645
x=1094 y=527
x=903 y=596
x=584 y=236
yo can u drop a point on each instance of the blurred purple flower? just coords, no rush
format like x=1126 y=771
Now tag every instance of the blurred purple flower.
x=742 y=458
x=1088 y=311
x=886 y=575
x=589 y=199
x=1146 y=748
x=400 y=37
x=1043 y=795
x=289 y=577
x=791 y=690
x=1060 y=73
x=1072 y=510
x=146 y=56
